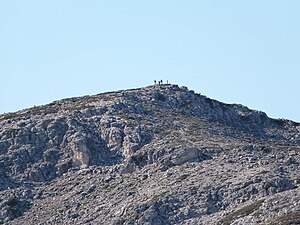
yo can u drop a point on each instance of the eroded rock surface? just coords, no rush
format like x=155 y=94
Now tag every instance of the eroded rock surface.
x=154 y=155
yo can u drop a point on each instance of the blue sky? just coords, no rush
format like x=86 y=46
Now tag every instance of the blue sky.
x=235 y=51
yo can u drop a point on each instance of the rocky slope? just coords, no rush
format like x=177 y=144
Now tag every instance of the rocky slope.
x=155 y=155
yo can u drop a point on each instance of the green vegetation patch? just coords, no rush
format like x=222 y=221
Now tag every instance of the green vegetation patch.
x=245 y=211
x=182 y=177
x=287 y=219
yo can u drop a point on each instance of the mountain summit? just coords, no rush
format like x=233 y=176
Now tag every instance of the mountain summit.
x=158 y=155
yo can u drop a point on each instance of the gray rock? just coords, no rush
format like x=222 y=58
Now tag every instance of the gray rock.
x=153 y=155
x=188 y=155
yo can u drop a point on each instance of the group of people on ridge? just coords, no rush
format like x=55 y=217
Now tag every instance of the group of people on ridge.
x=159 y=82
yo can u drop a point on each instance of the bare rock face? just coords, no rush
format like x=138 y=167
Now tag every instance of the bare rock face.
x=188 y=155
x=81 y=153
x=156 y=155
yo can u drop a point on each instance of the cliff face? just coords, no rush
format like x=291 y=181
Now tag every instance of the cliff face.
x=154 y=155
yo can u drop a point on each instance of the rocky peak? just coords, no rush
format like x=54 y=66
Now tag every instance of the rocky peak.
x=159 y=130
x=107 y=128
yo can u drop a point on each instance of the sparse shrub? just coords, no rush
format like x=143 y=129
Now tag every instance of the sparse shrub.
x=289 y=218
x=245 y=211
x=182 y=177
x=160 y=97
x=11 y=201
x=106 y=186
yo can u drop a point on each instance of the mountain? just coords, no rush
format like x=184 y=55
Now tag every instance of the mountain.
x=158 y=155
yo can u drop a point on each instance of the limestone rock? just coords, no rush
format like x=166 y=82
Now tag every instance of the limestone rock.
x=156 y=155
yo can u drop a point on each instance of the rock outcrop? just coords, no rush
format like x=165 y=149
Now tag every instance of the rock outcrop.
x=155 y=155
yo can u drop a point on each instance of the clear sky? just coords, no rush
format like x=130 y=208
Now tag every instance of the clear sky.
x=245 y=52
